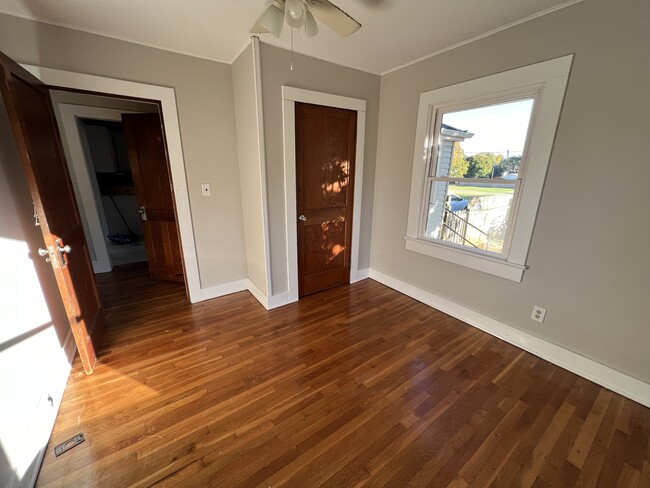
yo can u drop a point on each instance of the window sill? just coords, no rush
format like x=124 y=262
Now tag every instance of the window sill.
x=469 y=259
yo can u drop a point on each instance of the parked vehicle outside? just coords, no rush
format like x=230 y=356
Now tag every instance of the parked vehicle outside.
x=456 y=203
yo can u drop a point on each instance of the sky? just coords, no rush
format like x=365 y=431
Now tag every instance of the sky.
x=496 y=128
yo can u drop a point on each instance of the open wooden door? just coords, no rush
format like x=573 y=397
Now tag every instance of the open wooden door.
x=148 y=158
x=29 y=108
x=325 y=161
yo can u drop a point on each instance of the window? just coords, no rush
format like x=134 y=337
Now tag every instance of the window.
x=482 y=150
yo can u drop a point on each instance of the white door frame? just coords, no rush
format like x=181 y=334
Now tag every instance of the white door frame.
x=290 y=96
x=167 y=98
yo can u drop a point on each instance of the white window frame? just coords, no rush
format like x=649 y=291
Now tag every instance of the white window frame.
x=546 y=83
x=435 y=121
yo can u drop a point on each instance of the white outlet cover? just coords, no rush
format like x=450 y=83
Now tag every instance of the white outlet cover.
x=538 y=314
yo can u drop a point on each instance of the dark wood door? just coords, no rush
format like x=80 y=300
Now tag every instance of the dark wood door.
x=325 y=160
x=29 y=108
x=148 y=158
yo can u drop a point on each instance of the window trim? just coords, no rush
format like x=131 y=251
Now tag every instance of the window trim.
x=550 y=78
x=436 y=114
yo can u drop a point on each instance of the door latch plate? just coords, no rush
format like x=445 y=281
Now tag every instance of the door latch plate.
x=69 y=444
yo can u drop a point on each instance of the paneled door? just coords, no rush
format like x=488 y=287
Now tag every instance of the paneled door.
x=29 y=109
x=325 y=161
x=145 y=141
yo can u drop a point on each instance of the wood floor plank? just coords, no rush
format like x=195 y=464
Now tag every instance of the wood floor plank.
x=545 y=445
x=355 y=386
x=585 y=439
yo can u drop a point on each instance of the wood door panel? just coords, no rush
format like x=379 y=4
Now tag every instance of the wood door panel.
x=325 y=158
x=158 y=214
x=323 y=248
x=150 y=167
x=29 y=107
x=164 y=263
x=325 y=183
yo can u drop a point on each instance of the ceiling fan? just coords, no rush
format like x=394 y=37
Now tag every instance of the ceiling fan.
x=303 y=14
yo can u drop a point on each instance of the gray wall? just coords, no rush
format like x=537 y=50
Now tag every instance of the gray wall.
x=589 y=263
x=248 y=143
x=316 y=75
x=206 y=114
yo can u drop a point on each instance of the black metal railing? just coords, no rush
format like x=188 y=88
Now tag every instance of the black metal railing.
x=454 y=228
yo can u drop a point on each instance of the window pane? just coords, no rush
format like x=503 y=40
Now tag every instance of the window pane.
x=474 y=215
x=484 y=142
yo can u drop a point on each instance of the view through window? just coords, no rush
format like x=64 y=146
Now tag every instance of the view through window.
x=475 y=174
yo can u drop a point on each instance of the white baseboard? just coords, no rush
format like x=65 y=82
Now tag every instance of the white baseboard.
x=279 y=300
x=610 y=378
x=267 y=302
x=360 y=274
x=259 y=295
x=284 y=298
x=224 y=289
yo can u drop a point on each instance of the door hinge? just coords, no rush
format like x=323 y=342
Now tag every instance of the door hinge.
x=36 y=222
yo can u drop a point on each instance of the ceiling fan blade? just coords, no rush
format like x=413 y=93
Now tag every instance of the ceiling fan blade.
x=271 y=21
x=311 y=27
x=335 y=18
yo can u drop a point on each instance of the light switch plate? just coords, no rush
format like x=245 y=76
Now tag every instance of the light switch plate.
x=205 y=189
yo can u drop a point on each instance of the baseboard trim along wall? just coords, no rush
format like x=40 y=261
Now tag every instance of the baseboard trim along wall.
x=610 y=378
x=284 y=298
x=267 y=302
x=224 y=289
x=361 y=274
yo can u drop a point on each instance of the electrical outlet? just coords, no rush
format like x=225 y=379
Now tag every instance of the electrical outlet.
x=538 y=314
x=205 y=189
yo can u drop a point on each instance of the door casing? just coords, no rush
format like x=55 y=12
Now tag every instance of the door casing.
x=169 y=114
x=291 y=95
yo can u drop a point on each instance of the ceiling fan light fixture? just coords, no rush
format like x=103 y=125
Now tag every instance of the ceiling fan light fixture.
x=295 y=13
x=271 y=21
x=311 y=27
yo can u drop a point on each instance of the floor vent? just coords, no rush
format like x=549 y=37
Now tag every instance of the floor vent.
x=69 y=444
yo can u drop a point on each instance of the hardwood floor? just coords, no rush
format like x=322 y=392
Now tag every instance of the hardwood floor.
x=354 y=386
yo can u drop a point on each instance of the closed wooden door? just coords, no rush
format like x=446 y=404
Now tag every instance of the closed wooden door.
x=145 y=141
x=325 y=160
x=29 y=108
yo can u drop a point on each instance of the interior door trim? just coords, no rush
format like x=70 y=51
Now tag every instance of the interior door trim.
x=290 y=96
x=167 y=98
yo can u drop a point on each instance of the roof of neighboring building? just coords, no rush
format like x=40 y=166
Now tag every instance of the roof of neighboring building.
x=453 y=132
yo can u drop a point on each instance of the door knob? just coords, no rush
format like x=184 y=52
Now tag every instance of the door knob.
x=65 y=249
x=43 y=252
x=302 y=218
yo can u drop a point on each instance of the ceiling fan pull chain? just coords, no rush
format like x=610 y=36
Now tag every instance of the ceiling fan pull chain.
x=291 y=49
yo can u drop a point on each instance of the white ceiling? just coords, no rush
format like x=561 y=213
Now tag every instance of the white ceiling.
x=393 y=33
